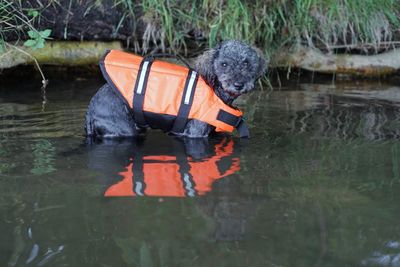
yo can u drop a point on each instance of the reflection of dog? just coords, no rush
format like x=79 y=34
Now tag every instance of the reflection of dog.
x=183 y=167
x=231 y=69
x=211 y=166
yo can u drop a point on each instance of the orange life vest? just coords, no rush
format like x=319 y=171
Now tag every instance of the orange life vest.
x=165 y=96
x=171 y=176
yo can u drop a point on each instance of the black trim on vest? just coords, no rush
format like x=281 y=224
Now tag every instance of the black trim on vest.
x=234 y=121
x=163 y=122
x=184 y=109
x=138 y=98
x=110 y=82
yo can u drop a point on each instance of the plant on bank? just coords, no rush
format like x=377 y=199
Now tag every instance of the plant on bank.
x=17 y=21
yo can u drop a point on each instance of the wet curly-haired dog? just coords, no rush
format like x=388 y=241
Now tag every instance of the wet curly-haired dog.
x=231 y=68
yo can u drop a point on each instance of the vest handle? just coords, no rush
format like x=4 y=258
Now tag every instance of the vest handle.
x=235 y=121
x=153 y=56
x=242 y=129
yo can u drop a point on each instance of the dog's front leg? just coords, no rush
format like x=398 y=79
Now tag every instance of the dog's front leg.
x=197 y=129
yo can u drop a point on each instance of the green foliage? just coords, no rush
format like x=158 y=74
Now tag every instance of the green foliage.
x=37 y=38
x=33 y=13
x=15 y=20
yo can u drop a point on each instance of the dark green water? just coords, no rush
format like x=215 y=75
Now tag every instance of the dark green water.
x=316 y=185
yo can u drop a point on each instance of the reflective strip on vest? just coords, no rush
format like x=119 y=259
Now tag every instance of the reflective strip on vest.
x=141 y=79
x=190 y=87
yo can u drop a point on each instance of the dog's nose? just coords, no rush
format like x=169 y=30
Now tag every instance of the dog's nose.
x=238 y=85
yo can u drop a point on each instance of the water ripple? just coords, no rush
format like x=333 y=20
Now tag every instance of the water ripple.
x=30 y=121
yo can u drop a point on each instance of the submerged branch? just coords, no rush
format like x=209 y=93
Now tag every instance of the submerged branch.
x=360 y=65
x=44 y=80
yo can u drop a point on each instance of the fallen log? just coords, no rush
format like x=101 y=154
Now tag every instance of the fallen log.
x=314 y=60
x=74 y=53
x=65 y=53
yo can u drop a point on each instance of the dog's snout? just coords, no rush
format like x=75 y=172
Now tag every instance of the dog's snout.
x=238 y=85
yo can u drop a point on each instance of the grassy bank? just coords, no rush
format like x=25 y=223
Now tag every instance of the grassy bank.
x=357 y=26
x=364 y=25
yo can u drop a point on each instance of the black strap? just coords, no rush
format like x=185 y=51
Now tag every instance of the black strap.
x=243 y=130
x=235 y=121
x=140 y=91
x=153 y=56
x=186 y=102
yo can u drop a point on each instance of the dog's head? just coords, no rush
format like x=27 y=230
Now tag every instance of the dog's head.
x=231 y=68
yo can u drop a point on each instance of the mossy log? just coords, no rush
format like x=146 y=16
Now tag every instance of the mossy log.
x=65 y=53
x=75 y=53
x=348 y=64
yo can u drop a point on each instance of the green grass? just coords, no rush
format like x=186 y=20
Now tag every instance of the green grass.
x=328 y=24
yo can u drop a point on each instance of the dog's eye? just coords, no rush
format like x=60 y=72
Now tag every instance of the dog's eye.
x=245 y=63
x=224 y=64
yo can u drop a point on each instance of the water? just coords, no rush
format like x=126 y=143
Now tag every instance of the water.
x=316 y=185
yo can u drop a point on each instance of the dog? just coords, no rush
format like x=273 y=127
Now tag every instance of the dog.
x=231 y=69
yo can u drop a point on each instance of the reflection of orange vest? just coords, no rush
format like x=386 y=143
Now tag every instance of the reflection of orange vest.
x=165 y=96
x=170 y=177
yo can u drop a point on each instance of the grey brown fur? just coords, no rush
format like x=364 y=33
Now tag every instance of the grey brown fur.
x=231 y=68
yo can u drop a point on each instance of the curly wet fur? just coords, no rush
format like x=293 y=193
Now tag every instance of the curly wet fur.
x=231 y=68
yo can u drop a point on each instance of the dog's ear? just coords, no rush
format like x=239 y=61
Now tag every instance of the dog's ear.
x=262 y=63
x=204 y=64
